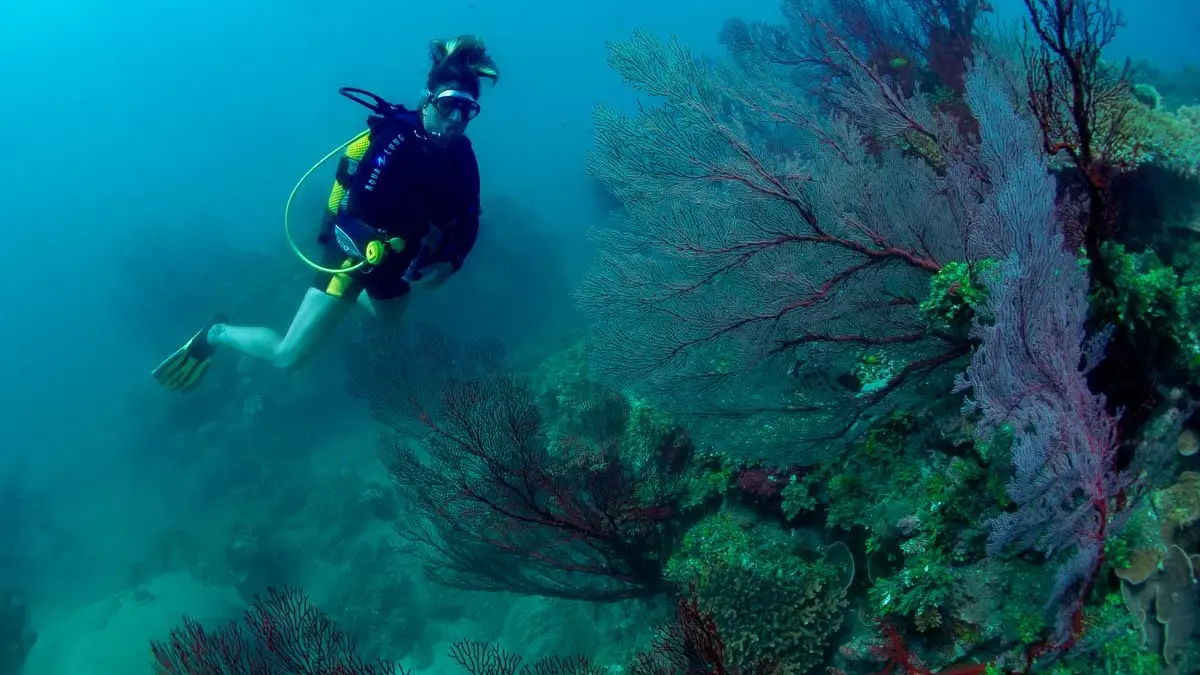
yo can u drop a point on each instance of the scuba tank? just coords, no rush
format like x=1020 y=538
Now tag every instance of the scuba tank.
x=376 y=191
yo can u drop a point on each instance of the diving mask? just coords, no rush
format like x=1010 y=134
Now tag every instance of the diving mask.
x=456 y=105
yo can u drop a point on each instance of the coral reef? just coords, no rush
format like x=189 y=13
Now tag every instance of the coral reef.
x=1167 y=139
x=497 y=503
x=769 y=598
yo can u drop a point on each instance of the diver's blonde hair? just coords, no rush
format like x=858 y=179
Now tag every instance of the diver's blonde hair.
x=462 y=61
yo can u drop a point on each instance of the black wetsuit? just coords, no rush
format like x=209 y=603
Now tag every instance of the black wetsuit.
x=410 y=186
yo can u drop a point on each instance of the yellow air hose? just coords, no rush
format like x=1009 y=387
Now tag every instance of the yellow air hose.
x=287 y=211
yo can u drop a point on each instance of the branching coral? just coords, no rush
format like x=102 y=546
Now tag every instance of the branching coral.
x=785 y=614
x=769 y=599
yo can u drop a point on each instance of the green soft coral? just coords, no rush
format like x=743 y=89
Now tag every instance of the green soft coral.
x=916 y=506
x=707 y=478
x=954 y=294
x=925 y=575
x=1154 y=302
x=1112 y=644
x=921 y=586
x=798 y=495
x=856 y=486
x=874 y=370
x=722 y=538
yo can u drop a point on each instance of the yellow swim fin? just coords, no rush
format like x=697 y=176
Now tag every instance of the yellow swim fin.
x=185 y=368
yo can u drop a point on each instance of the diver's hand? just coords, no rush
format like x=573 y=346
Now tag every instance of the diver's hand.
x=431 y=276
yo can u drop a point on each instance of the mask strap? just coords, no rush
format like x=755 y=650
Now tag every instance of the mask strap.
x=455 y=93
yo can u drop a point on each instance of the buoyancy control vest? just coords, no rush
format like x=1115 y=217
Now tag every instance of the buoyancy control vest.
x=401 y=185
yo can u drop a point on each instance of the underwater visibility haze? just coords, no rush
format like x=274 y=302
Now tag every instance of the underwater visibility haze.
x=772 y=337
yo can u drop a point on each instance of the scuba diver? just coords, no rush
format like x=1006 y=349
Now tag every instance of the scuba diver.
x=403 y=214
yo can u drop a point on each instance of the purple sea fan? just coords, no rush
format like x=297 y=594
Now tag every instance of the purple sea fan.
x=1029 y=374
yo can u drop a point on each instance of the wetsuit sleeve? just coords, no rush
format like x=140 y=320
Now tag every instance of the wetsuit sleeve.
x=461 y=234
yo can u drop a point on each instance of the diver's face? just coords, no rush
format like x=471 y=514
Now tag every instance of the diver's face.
x=447 y=111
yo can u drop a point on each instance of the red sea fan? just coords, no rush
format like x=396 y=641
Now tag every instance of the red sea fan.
x=281 y=634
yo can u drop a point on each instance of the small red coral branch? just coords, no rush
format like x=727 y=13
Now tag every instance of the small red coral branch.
x=900 y=660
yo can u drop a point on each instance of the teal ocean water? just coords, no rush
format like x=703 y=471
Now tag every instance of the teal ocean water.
x=839 y=336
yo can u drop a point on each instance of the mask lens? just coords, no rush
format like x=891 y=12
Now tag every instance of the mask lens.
x=449 y=103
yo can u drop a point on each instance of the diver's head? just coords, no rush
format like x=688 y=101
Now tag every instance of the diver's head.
x=451 y=96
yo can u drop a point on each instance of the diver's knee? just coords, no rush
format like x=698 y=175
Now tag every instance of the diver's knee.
x=287 y=359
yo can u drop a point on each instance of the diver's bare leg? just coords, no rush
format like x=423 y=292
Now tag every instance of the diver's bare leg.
x=315 y=320
x=391 y=311
x=365 y=303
